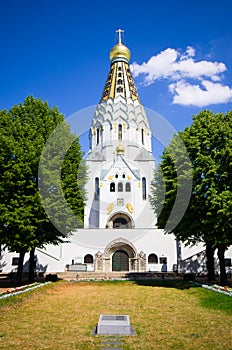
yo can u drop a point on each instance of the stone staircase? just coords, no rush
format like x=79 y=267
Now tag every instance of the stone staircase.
x=76 y=275
x=85 y=275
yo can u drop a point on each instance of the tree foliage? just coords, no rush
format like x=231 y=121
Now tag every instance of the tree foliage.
x=24 y=131
x=208 y=217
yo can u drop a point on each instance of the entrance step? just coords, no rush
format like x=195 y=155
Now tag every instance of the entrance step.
x=85 y=275
x=72 y=275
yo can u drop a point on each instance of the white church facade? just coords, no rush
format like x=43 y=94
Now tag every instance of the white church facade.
x=120 y=232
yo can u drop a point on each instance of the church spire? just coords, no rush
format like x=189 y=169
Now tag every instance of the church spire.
x=119 y=81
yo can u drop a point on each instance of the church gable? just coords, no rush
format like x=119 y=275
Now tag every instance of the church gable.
x=120 y=169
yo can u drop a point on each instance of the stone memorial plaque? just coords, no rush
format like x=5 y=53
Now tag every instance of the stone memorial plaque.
x=114 y=324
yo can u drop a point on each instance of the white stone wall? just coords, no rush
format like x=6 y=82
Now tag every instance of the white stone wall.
x=55 y=258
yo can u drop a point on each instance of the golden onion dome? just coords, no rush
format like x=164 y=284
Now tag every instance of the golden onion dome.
x=120 y=51
x=120 y=149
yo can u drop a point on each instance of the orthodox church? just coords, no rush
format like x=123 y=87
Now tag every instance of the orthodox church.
x=120 y=161
x=120 y=232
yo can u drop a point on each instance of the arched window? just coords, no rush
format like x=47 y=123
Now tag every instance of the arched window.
x=119 y=89
x=119 y=82
x=119 y=75
x=120 y=187
x=144 y=188
x=112 y=187
x=128 y=187
x=98 y=135
x=88 y=259
x=120 y=132
x=142 y=136
x=96 y=192
x=90 y=139
x=152 y=259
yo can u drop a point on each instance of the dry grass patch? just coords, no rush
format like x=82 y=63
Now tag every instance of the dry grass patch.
x=61 y=316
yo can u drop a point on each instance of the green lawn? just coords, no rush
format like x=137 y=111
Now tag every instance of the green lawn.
x=166 y=315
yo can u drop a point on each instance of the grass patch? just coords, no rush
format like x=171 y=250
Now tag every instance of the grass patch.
x=165 y=314
x=207 y=298
x=217 y=301
x=19 y=298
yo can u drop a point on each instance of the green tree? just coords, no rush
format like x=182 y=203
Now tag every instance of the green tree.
x=208 y=217
x=24 y=131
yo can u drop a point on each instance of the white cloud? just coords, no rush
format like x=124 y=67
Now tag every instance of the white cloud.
x=159 y=66
x=181 y=69
x=190 y=52
x=188 y=68
x=200 y=95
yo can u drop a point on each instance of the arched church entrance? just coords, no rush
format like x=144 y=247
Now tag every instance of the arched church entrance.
x=121 y=221
x=120 y=255
x=120 y=261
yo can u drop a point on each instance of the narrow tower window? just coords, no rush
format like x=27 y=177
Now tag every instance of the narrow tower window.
x=120 y=132
x=112 y=187
x=90 y=139
x=96 y=192
x=98 y=135
x=128 y=187
x=120 y=187
x=119 y=82
x=120 y=89
x=144 y=188
x=142 y=135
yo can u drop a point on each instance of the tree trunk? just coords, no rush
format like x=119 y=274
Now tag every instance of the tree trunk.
x=0 y=258
x=210 y=261
x=20 y=268
x=31 y=266
x=221 y=257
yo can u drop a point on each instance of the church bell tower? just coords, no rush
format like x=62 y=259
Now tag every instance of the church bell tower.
x=120 y=162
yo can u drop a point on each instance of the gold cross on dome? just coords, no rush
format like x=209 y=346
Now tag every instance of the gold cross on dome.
x=120 y=31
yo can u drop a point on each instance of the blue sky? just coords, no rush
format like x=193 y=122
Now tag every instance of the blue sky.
x=59 y=50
